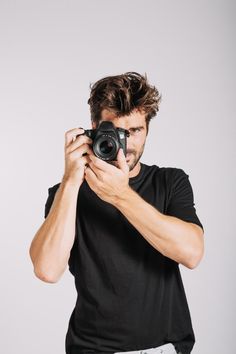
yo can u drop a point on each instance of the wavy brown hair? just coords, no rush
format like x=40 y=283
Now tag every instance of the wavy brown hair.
x=121 y=94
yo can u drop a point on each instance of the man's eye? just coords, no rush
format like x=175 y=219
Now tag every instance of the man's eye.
x=136 y=129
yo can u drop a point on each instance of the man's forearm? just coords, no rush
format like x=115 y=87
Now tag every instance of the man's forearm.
x=171 y=236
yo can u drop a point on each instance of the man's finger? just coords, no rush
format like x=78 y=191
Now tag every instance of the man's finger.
x=101 y=164
x=91 y=178
x=71 y=134
x=122 y=164
x=97 y=171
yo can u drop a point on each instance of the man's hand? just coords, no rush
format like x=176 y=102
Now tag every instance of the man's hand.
x=106 y=180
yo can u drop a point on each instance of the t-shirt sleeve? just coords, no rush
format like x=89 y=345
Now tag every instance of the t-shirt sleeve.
x=181 y=203
x=50 y=199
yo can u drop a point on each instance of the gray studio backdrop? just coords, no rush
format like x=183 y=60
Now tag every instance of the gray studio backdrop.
x=50 y=52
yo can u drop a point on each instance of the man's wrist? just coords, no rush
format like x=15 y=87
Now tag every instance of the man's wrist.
x=67 y=183
x=124 y=197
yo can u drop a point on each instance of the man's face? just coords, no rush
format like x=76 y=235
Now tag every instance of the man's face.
x=136 y=125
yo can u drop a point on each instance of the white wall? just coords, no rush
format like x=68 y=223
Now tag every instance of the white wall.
x=50 y=52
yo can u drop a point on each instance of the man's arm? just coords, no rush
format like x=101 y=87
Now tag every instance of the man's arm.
x=177 y=239
x=51 y=245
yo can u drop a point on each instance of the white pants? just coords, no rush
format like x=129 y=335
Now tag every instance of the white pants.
x=162 y=349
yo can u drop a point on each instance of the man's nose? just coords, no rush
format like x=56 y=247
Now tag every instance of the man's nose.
x=129 y=145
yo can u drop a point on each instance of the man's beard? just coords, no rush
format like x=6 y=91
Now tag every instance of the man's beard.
x=136 y=156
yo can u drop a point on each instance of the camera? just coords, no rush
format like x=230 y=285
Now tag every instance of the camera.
x=107 y=140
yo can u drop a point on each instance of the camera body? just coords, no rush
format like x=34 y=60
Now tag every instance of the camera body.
x=107 y=140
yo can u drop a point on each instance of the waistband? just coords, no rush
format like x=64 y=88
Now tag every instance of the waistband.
x=168 y=348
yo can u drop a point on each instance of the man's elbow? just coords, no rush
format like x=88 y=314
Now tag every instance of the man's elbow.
x=196 y=258
x=198 y=248
x=194 y=264
x=46 y=277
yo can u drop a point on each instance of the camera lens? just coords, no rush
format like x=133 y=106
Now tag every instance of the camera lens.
x=106 y=147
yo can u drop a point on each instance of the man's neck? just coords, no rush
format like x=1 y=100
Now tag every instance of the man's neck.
x=135 y=171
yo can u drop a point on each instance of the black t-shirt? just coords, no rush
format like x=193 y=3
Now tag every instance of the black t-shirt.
x=129 y=296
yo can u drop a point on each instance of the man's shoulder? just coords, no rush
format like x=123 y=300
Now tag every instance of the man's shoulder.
x=166 y=170
x=167 y=175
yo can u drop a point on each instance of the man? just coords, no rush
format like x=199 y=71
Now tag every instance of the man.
x=123 y=228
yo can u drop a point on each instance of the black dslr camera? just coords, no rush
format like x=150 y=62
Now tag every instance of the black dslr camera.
x=107 y=140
